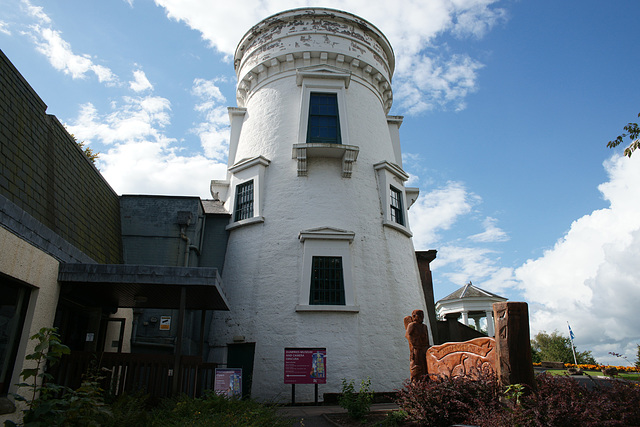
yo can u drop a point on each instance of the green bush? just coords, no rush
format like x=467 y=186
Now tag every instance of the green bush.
x=357 y=403
x=215 y=410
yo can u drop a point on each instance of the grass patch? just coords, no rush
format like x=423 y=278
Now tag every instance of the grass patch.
x=621 y=375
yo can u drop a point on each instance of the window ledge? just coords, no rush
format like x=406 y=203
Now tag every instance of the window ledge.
x=243 y=222
x=348 y=154
x=401 y=228
x=333 y=308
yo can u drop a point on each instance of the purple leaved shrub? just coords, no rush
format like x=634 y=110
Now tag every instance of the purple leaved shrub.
x=559 y=401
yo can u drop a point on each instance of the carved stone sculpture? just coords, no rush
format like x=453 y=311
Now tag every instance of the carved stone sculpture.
x=418 y=336
x=468 y=358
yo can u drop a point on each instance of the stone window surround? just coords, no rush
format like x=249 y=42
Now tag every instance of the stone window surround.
x=323 y=80
x=243 y=171
x=396 y=208
x=391 y=175
x=329 y=242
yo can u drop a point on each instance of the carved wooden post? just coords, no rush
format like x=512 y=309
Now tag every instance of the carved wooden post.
x=512 y=342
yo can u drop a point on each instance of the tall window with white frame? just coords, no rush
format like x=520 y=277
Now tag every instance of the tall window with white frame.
x=324 y=124
x=327 y=281
x=244 y=201
x=396 y=206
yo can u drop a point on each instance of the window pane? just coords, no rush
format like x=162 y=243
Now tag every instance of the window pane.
x=396 y=206
x=327 y=281
x=323 y=125
x=244 y=201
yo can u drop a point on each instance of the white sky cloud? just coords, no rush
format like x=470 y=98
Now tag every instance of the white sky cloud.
x=589 y=277
x=50 y=43
x=141 y=158
x=213 y=131
x=491 y=232
x=476 y=264
x=438 y=210
x=140 y=83
x=4 y=28
x=37 y=12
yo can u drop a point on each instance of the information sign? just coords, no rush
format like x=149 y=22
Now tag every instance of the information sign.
x=165 y=323
x=228 y=382
x=305 y=365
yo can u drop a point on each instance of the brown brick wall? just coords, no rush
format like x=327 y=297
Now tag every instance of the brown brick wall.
x=44 y=172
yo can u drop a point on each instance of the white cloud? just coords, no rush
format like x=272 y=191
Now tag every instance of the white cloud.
x=137 y=119
x=4 y=28
x=140 y=83
x=479 y=265
x=36 y=12
x=438 y=210
x=425 y=77
x=589 y=278
x=50 y=43
x=491 y=232
x=141 y=158
x=214 y=130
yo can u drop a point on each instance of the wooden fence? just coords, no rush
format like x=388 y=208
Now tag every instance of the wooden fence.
x=127 y=372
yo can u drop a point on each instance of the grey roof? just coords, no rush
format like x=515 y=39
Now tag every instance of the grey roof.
x=214 y=207
x=470 y=291
x=142 y=286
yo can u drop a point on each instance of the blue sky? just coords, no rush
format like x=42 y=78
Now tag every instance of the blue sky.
x=508 y=106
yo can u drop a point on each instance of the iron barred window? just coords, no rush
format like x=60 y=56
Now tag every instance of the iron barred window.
x=324 y=125
x=396 y=206
x=327 y=281
x=244 y=201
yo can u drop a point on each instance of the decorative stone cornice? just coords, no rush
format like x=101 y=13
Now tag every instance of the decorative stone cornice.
x=283 y=43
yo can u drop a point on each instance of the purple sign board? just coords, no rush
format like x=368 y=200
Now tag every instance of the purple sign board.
x=228 y=382
x=305 y=365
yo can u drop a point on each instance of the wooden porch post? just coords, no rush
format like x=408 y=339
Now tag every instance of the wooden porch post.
x=177 y=375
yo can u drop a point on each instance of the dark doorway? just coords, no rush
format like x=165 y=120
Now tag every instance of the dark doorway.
x=13 y=306
x=241 y=356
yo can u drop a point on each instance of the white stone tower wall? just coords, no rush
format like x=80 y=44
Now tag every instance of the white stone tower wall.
x=264 y=268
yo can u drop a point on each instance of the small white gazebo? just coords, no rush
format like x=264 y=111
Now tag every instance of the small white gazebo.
x=474 y=304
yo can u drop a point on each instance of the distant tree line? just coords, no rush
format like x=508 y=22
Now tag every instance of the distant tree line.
x=557 y=348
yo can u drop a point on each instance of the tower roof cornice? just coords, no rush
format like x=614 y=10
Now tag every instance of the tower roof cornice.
x=287 y=41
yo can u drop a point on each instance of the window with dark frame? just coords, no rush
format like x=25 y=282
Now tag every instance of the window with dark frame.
x=396 y=206
x=327 y=281
x=244 y=201
x=324 y=124
x=15 y=300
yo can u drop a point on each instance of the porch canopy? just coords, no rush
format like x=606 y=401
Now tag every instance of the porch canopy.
x=143 y=286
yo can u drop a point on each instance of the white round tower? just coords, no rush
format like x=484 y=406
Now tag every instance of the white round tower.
x=319 y=252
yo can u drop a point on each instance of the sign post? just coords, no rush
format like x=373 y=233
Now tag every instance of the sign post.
x=305 y=366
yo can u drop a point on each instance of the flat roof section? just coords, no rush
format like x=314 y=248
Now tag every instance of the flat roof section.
x=142 y=286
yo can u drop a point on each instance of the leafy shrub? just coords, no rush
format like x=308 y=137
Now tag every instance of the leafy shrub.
x=215 y=411
x=129 y=410
x=559 y=401
x=357 y=403
x=437 y=401
x=562 y=401
x=49 y=404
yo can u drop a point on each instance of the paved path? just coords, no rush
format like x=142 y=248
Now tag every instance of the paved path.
x=311 y=416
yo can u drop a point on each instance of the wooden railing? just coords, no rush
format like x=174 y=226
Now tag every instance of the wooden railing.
x=126 y=372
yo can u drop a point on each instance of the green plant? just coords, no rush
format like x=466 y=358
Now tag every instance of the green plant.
x=357 y=403
x=50 y=404
x=214 y=410
x=514 y=392
x=395 y=418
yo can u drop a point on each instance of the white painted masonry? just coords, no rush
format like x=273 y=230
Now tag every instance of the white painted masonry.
x=317 y=199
